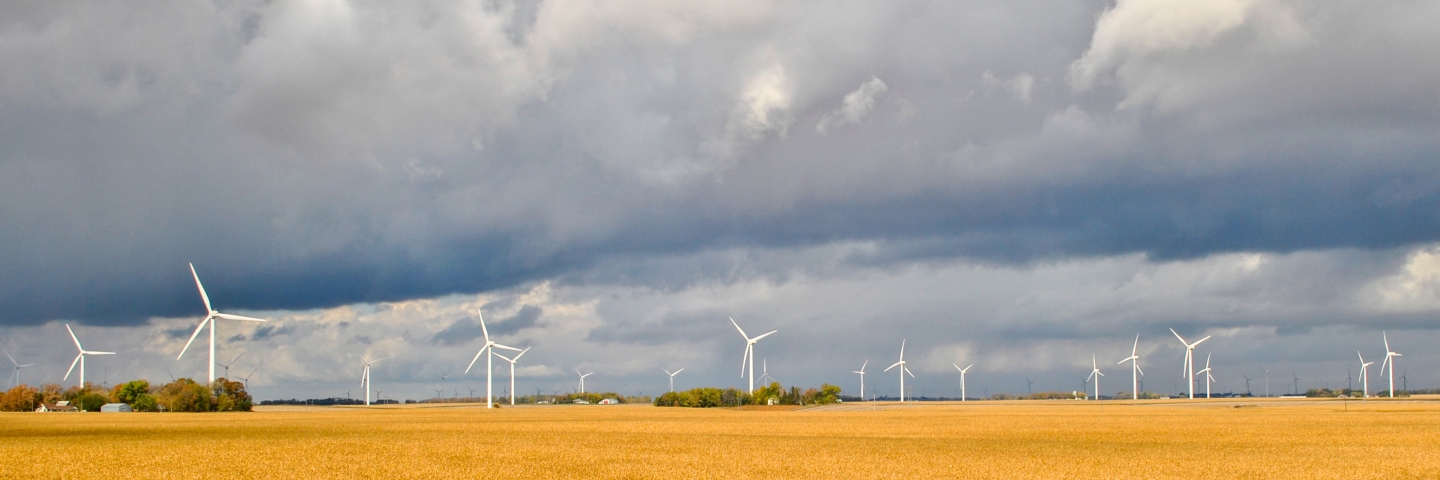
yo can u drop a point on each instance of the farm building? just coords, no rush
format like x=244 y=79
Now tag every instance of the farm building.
x=115 y=408
x=609 y=401
x=60 y=406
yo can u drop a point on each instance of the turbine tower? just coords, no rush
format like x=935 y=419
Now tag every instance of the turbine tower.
x=1364 y=375
x=1208 y=377
x=1135 y=371
x=582 y=379
x=861 y=371
x=1387 y=362
x=365 y=377
x=489 y=346
x=81 y=358
x=962 y=378
x=512 y=373
x=672 y=377
x=210 y=319
x=749 y=357
x=1095 y=374
x=16 y=375
x=903 y=370
x=1189 y=360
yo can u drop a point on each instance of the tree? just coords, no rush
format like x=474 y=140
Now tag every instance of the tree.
x=184 y=395
x=21 y=398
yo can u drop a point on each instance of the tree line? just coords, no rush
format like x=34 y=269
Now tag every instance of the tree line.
x=772 y=394
x=180 y=395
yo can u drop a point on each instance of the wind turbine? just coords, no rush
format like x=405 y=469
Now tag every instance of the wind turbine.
x=489 y=346
x=1208 y=377
x=80 y=359
x=749 y=357
x=246 y=378
x=861 y=371
x=210 y=319
x=1189 y=360
x=1388 y=362
x=1297 y=381
x=442 y=380
x=1364 y=375
x=365 y=377
x=1267 y=383
x=1095 y=374
x=512 y=373
x=232 y=362
x=903 y=370
x=962 y=378
x=18 y=366
x=1135 y=370
x=765 y=369
x=1247 y=385
x=672 y=377
x=582 y=379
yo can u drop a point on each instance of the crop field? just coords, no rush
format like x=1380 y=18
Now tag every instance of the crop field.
x=1215 y=439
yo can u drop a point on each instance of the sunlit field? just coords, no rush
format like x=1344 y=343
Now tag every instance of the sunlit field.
x=1036 y=439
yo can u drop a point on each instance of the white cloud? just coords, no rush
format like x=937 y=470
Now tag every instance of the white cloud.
x=1021 y=86
x=854 y=106
x=1139 y=28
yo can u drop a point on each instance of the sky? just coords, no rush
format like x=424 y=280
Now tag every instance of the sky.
x=1015 y=184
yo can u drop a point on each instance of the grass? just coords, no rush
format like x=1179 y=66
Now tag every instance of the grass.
x=1275 y=439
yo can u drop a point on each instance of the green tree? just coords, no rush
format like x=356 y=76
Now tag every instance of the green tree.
x=129 y=391
x=21 y=398
x=90 y=401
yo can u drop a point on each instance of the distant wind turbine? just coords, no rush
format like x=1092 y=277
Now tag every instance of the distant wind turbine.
x=232 y=362
x=210 y=319
x=1189 y=360
x=672 y=377
x=765 y=378
x=1388 y=362
x=1095 y=374
x=582 y=379
x=365 y=377
x=749 y=357
x=1208 y=378
x=512 y=372
x=1135 y=371
x=962 y=378
x=81 y=357
x=16 y=375
x=1364 y=375
x=903 y=370
x=490 y=347
x=861 y=371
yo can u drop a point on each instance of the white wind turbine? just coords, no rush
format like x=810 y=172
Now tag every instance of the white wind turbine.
x=1095 y=374
x=672 y=377
x=1364 y=375
x=18 y=366
x=582 y=379
x=962 y=378
x=1208 y=378
x=365 y=377
x=861 y=371
x=1389 y=362
x=749 y=357
x=765 y=378
x=210 y=319
x=81 y=357
x=1135 y=371
x=512 y=373
x=232 y=362
x=489 y=346
x=1190 y=360
x=903 y=370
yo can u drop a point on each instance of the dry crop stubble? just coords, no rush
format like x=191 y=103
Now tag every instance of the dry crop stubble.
x=1297 y=439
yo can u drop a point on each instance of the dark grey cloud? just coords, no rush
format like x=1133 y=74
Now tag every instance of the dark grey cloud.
x=307 y=156
x=466 y=329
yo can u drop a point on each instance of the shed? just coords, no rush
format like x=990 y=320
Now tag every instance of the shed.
x=609 y=401
x=115 y=408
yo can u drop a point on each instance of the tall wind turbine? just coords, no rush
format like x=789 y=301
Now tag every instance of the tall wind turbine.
x=1189 y=360
x=749 y=352
x=365 y=377
x=512 y=373
x=1135 y=370
x=1095 y=374
x=18 y=366
x=83 y=353
x=962 y=378
x=1387 y=362
x=1364 y=375
x=672 y=377
x=489 y=346
x=903 y=370
x=861 y=371
x=210 y=319
x=1208 y=377
x=582 y=379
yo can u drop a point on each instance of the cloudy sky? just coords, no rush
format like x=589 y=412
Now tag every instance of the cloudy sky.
x=1016 y=184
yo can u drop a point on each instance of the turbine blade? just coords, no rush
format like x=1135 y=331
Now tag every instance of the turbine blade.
x=505 y=347
x=902 y=349
x=667 y=372
x=238 y=317
x=72 y=366
x=1135 y=348
x=1182 y=339
x=967 y=368
x=192 y=337
x=203 y=296
x=737 y=327
x=957 y=367
x=1207 y=337
x=1386 y=336
x=677 y=372
x=505 y=358
x=862 y=366
x=483 y=330
x=1137 y=368
x=99 y=353
x=895 y=365
x=756 y=339
x=78 y=347
x=745 y=357
x=477 y=357
x=12 y=359
x=1092 y=375
x=522 y=352
x=907 y=370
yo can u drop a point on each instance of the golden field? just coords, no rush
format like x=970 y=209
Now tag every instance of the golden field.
x=1200 y=439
